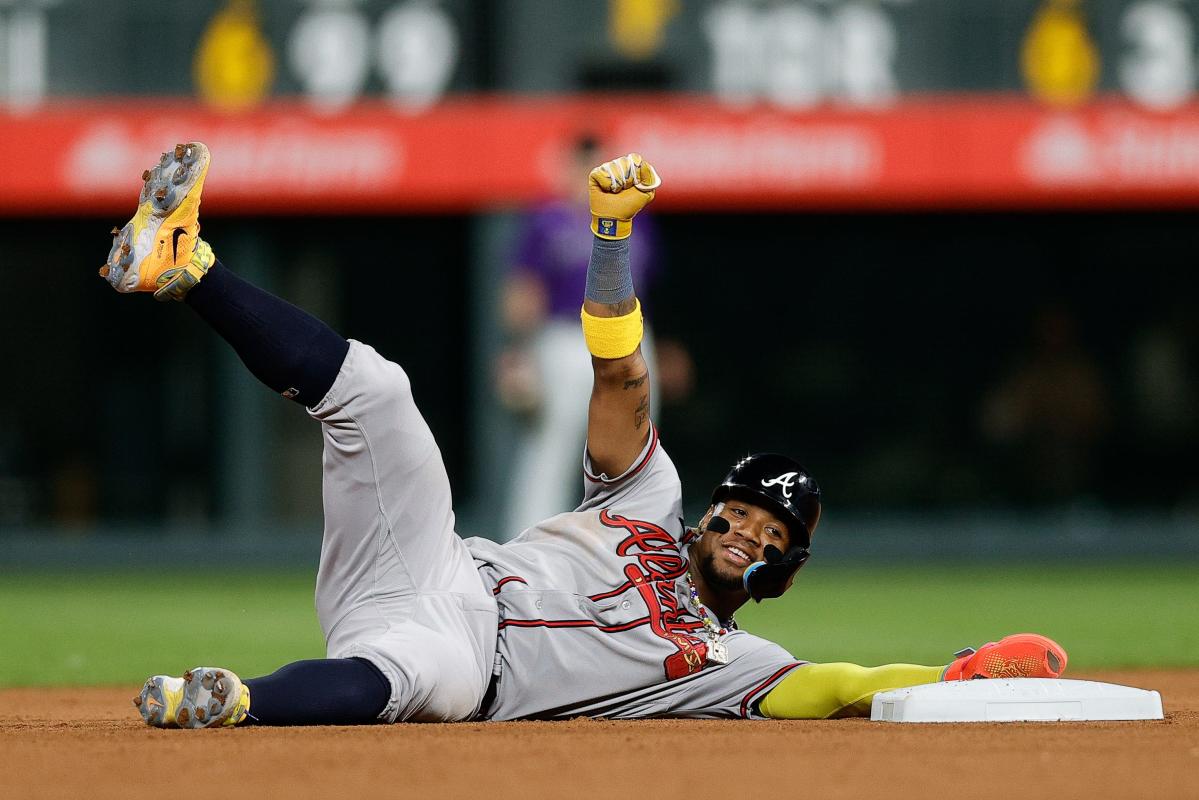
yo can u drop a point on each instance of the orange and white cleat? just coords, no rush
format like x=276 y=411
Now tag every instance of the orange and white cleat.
x=1021 y=655
x=160 y=249
x=205 y=697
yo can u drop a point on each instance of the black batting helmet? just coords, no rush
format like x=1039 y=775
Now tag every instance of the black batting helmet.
x=779 y=484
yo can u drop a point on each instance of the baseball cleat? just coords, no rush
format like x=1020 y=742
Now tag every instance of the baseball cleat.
x=160 y=249
x=1021 y=655
x=205 y=697
x=159 y=701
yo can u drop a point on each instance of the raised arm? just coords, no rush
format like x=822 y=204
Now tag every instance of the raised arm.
x=618 y=424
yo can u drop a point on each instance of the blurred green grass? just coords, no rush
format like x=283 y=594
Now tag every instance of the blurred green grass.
x=1106 y=616
x=85 y=629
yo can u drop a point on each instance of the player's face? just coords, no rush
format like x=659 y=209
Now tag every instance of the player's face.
x=722 y=558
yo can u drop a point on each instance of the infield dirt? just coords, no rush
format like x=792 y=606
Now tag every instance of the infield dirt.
x=90 y=743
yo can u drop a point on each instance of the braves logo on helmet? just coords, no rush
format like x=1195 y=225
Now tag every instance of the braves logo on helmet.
x=785 y=482
x=779 y=484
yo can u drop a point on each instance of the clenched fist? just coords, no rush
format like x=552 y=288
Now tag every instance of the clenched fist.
x=618 y=190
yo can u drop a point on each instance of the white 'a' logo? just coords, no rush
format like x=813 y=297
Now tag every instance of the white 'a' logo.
x=786 y=480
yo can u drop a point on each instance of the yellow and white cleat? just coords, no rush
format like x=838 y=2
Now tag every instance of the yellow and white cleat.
x=160 y=249
x=159 y=701
x=205 y=697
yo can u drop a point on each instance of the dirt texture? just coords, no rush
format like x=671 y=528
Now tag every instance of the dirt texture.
x=91 y=743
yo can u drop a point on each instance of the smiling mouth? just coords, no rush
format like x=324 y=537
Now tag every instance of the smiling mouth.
x=738 y=555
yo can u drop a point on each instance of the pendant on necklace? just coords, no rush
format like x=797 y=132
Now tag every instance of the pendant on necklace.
x=718 y=652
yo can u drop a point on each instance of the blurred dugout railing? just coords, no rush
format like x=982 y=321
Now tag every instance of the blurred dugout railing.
x=390 y=125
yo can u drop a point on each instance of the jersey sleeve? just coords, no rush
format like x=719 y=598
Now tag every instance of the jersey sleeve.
x=734 y=689
x=727 y=691
x=649 y=489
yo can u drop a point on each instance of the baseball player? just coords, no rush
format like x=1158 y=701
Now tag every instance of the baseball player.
x=615 y=609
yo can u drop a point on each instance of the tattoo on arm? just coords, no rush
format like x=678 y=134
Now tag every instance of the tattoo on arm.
x=642 y=412
x=633 y=383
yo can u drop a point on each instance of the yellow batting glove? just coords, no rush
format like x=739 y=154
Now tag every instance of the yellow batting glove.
x=618 y=190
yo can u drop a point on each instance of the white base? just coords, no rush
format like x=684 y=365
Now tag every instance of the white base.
x=1015 y=700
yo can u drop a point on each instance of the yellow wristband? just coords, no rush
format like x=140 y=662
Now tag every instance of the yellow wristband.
x=613 y=337
x=610 y=227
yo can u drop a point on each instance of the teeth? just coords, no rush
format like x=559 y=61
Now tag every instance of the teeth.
x=739 y=552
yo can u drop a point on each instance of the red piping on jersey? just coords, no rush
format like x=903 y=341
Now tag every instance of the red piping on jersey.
x=573 y=623
x=746 y=700
x=619 y=590
x=653 y=445
x=509 y=579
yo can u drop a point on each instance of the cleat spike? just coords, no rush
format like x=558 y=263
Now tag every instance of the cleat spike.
x=137 y=701
x=104 y=270
x=201 y=714
x=168 y=201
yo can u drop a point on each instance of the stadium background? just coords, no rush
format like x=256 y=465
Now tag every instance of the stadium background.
x=878 y=219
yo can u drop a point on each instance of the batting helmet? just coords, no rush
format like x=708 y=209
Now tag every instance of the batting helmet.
x=779 y=484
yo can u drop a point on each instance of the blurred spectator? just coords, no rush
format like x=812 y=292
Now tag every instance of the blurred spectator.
x=1165 y=385
x=16 y=490
x=1050 y=412
x=74 y=493
x=544 y=373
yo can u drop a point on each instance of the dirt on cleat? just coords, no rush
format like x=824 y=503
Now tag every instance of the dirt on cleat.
x=179 y=151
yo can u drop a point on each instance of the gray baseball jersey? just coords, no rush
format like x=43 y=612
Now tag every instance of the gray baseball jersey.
x=595 y=614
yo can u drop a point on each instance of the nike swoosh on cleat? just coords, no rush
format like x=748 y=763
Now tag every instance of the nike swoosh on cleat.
x=175 y=234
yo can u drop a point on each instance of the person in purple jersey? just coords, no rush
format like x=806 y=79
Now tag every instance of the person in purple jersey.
x=548 y=274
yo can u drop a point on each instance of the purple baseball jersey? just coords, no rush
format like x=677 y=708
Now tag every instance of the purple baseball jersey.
x=555 y=246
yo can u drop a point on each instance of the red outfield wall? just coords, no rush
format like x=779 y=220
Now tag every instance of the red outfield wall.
x=470 y=154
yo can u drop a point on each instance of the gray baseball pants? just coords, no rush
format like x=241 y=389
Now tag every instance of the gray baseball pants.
x=397 y=586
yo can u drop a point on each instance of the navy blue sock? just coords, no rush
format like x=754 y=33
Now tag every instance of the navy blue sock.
x=288 y=349
x=326 y=691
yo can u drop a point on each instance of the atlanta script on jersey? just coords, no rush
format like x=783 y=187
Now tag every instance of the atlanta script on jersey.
x=595 y=617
